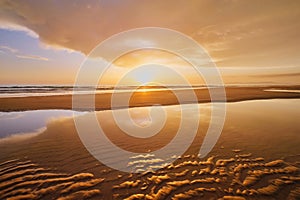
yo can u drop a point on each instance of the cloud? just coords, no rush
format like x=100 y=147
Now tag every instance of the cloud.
x=13 y=27
x=9 y=49
x=32 y=57
x=18 y=54
x=234 y=32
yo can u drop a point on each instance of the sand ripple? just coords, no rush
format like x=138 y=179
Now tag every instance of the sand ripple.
x=239 y=177
x=26 y=180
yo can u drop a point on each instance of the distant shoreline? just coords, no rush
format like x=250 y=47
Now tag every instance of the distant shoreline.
x=146 y=98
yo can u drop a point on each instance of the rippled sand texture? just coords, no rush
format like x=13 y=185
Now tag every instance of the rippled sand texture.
x=240 y=177
x=26 y=180
x=256 y=157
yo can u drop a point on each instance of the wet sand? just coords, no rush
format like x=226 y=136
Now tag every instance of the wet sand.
x=103 y=101
x=256 y=157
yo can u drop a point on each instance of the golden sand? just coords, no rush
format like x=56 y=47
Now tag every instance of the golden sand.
x=256 y=157
x=103 y=101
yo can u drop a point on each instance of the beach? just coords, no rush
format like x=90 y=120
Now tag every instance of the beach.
x=149 y=100
x=138 y=99
x=256 y=156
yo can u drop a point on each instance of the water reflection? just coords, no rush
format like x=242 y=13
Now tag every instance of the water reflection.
x=277 y=90
x=29 y=121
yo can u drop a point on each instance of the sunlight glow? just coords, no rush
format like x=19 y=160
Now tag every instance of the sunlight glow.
x=145 y=76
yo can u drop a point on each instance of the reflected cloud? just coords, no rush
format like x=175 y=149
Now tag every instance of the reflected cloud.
x=14 y=123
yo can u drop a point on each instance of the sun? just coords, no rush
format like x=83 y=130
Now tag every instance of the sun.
x=144 y=76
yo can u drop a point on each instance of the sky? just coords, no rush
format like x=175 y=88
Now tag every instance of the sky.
x=46 y=42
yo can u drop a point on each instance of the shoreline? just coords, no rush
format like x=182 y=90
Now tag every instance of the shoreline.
x=59 y=152
x=141 y=99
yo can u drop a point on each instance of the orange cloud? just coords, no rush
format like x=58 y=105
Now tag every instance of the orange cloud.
x=234 y=32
